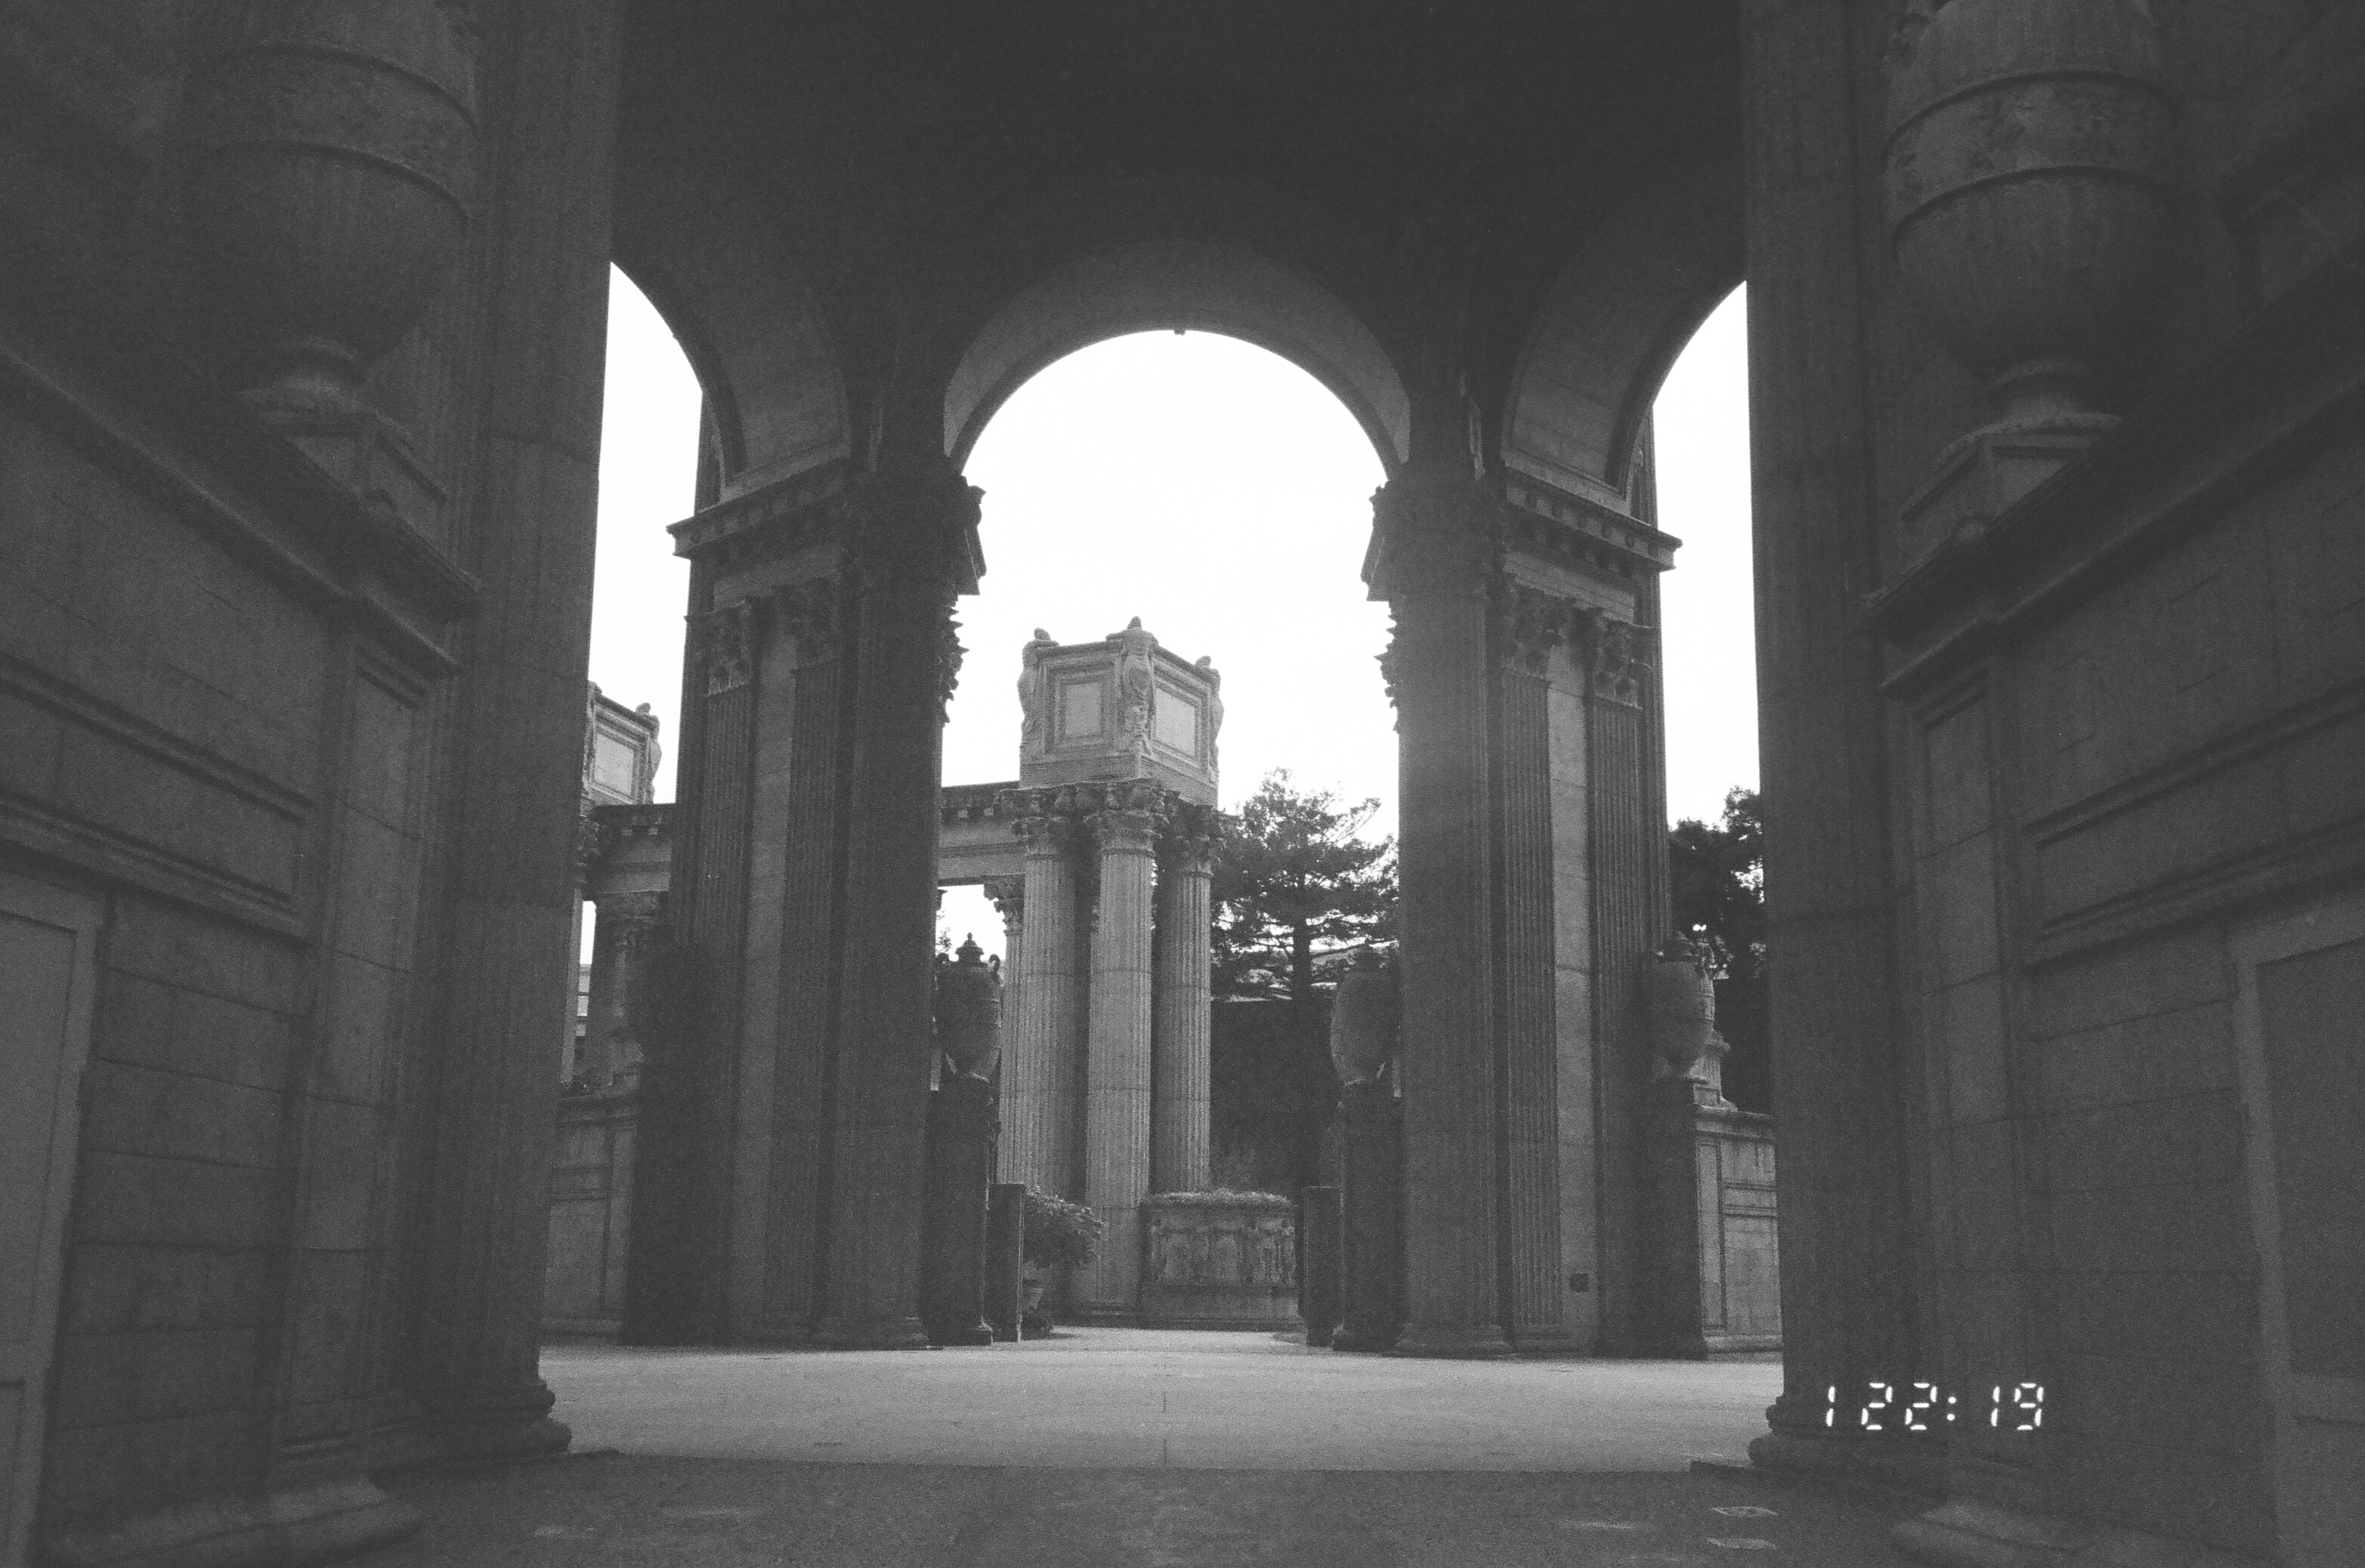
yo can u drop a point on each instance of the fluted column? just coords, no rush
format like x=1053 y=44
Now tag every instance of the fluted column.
x=1178 y=1094
x=914 y=546
x=517 y=775
x=1040 y=1057
x=1009 y=898
x=1116 y=1072
x=1436 y=562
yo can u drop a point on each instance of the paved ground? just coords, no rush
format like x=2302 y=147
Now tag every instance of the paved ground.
x=1123 y=1397
x=1115 y=1448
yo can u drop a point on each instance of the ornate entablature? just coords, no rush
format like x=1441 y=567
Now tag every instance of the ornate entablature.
x=1424 y=541
x=847 y=512
x=1119 y=708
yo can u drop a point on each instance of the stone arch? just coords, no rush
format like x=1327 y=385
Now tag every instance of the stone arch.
x=716 y=264
x=1637 y=287
x=1207 y=285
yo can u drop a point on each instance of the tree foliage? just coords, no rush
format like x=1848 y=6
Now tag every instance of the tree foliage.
x=1296 y=891
x=1717 y=878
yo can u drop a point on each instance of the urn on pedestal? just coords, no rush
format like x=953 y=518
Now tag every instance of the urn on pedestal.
x=969 y=1014
x=2028 y=175
x=1685 y=1046
x=334 y=166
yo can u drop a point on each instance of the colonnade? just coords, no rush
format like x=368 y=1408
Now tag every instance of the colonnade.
x=1105 y=1082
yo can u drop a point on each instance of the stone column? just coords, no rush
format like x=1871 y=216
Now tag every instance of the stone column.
x=1009 y=897
x=1178 y=1094
x=516 y=781
x=622 y=923
x=1847 y=1312
x=1039 y=1061
x=914 y=549
x=1117 y=1069
x=1434 y=567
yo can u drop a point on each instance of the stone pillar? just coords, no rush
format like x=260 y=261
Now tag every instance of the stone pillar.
x=1434 y=566
x=914 y=549
x=1179 y=1042
x=1117 y=1070
x=1847 y=1312
x=516 y=780
x=1039 y=1063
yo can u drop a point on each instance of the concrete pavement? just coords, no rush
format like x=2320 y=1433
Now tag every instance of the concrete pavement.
x=1128 y=1449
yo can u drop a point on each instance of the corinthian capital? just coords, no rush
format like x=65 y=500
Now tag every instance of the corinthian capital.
x=723 y=642
x=1192 y=833
x=1617 y=657
x=1530 y=624
x=1130 y=815
x=1047 y=820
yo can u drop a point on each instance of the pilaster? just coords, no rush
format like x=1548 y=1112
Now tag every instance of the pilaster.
x=1530 y=627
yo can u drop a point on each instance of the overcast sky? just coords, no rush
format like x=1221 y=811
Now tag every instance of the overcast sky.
x=1222 y=494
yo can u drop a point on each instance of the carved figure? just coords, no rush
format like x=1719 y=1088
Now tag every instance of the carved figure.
x=1136 y=686
x=1030 y=693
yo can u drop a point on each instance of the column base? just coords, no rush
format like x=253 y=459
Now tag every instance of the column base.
x=1370 y=1342
x=871 y=1333
x=1101 y=1315
x=495 y=1426
x=978 y=1333
x=278 y=1530
x=1980 y=1534
x=1455 y=1341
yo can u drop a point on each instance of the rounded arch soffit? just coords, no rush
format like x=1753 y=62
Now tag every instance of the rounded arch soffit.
x=1189 y=286
x=1633 y=295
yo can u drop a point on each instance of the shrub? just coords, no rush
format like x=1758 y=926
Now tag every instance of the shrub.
x=1058 y=1234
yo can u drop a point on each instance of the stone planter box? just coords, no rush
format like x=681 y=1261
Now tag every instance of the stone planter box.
x=1219 y=1260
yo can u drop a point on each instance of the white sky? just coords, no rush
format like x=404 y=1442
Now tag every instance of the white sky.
x=1222 y=494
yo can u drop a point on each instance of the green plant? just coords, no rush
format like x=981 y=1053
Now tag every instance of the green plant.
x=1058 y=1234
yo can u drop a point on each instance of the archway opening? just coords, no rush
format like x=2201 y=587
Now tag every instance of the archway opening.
x=1708 y=658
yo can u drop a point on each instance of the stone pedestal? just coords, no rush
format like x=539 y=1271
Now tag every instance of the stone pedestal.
x=1318 y=1255
x=1371 y=1242
x=961 y=1126
x=1005 y=1262
x=1218 y=1261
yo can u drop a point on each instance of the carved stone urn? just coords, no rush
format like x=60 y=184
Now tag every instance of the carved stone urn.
x=1364 y=1025
x=1682 y=1000
x=969 y=1014
x=335 y=164
x=2028 y=181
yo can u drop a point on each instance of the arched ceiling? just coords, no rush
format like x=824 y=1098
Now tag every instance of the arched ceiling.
x=1187 y=284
